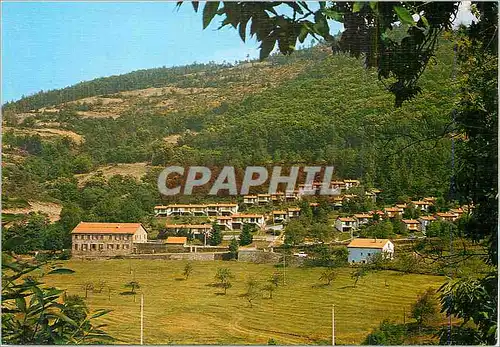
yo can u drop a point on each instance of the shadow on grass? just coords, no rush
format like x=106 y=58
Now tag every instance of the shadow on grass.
x=321 y=285
x=345 y=287
x=219 y=294
x=127 y=293
x=180 y=279
x=213 y=285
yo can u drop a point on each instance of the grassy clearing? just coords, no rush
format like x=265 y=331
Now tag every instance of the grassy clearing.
x=179 y=311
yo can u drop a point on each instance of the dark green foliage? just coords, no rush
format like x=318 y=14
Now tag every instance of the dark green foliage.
x=140 y=79
x=294 y=233
x=476 y=302
x=215 y=238
x=387 y=334
x=75 y=308
x=37 y=234
x=246 y=236
x=425 y=309
x=34 y=314
x=399 y=52
x=233 y=248
x=381 y=229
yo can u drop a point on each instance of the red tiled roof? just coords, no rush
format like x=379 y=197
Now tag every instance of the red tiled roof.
x=410 y=221
x=106 y=228
x=176 y=240
x=392 y=209
x=187 y=206
x=368 y=243
x=247 y=215
x=188 y=226
x=362 y=215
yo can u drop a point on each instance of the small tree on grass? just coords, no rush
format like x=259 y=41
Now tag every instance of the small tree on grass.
x=328 y=275
x=357 y=273
x=223 y=277
x=252 y=291
x=246 y=237
x=133 y=285
x=87 y=286
x=276 y=278
x=270 y=288
x=99 y=286
x=233 y=248
x=188 y=269
x=425 y=309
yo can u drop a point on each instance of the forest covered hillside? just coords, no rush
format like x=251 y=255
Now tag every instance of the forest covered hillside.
x=67 y=146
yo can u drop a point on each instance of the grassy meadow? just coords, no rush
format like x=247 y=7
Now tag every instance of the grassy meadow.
x=179 y=311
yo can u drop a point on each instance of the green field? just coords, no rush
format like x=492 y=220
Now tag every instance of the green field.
x=178 y=311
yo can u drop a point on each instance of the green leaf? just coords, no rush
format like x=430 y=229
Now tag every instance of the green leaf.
x=357 y=6
x=336 y=16
x=404 y=15
x=61 y=271
x=21 y=303
x=100 y=313
x=424 y=20
x=304 y=31
x=266 y=47
x=209 y=12
x=195 y=5
x=63 y=317
x=321 y=24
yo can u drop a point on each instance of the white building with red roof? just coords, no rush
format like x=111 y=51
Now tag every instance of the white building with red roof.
x=360 y=250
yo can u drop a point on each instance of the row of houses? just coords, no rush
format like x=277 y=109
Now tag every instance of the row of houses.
x=304 y=189
x=120 y=239
x=219 y=209
x=355 y=221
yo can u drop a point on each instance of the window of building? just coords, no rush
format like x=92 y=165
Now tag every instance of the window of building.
x=76 y=247
x=84 y=247
x=110 y=246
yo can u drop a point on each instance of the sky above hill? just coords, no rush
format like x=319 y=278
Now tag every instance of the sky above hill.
x=49 y=45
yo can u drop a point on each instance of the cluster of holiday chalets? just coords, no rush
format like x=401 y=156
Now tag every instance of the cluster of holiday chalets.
x=358 y=220
x=228 y=217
